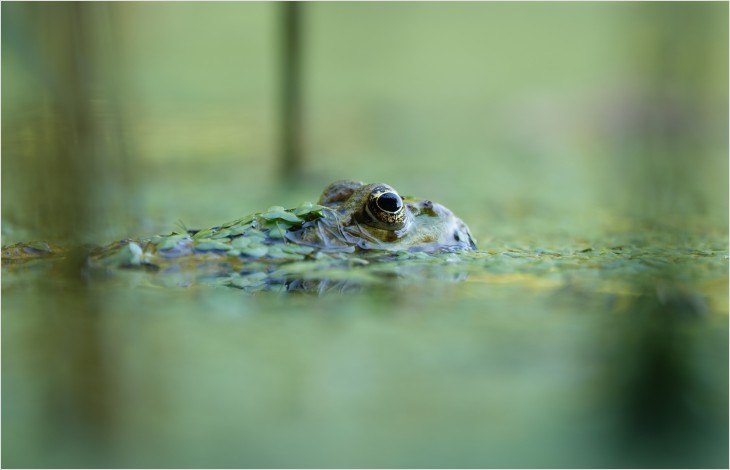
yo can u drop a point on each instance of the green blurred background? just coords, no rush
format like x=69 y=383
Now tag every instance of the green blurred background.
x=546 y=125
x=490 y=108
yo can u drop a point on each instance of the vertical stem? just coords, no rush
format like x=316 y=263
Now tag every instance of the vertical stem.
x=64 y=147
x=660 y=421
x=290 y=157
x=64 y=161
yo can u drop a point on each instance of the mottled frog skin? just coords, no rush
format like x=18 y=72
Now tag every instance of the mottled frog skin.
x=350 y=217
x=359 y=216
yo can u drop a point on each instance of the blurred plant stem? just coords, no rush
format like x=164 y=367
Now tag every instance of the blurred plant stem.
x=291 y=153
x=66 y=148
x=664 y=415
x=65 y=151
x=65 y=125
x=675 y=108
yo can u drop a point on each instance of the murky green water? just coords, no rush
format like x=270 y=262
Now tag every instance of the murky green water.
x=589 y=357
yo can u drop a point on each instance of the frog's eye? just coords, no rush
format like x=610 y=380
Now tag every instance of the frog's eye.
x=386 y=210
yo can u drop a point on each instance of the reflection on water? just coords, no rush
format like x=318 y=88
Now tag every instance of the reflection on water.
x=495 y=370
x=667 y=415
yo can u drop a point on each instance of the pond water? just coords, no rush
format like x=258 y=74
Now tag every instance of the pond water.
x=573 y=355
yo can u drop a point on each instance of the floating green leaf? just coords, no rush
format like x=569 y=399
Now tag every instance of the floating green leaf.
x=210 y=245
x=282 y=215
x=242 y=242
x=224 y=233
x=242 y=221
x=203 y=234
x=255 y=251
x=255 y=234
x=172 y=241
x=252 y=280
x=308 y=209
x=297 y=249
x=277 y=252
x=278 y=230
x=239 y=229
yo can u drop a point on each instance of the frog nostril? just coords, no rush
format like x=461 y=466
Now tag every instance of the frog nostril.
x=389 y=202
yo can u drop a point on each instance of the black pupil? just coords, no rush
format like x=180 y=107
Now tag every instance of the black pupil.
x=389 y=202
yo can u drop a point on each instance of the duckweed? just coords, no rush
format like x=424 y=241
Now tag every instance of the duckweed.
x=222 y=234
x=298 y=249
x=308 y=210
x=203 y=234
x=277 y=252
x=278 y=230
x=256 y=251
x=255 y=234
x=282 y=215
x=239 y=229
x=241 y=242
x=168 y=243
x=251 y=280
x=243 y=221
x=211 y=245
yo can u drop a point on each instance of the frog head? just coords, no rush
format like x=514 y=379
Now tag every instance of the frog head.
x=376 y=217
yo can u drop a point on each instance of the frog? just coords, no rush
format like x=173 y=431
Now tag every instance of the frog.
x=352 y=222
x=363 y=217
